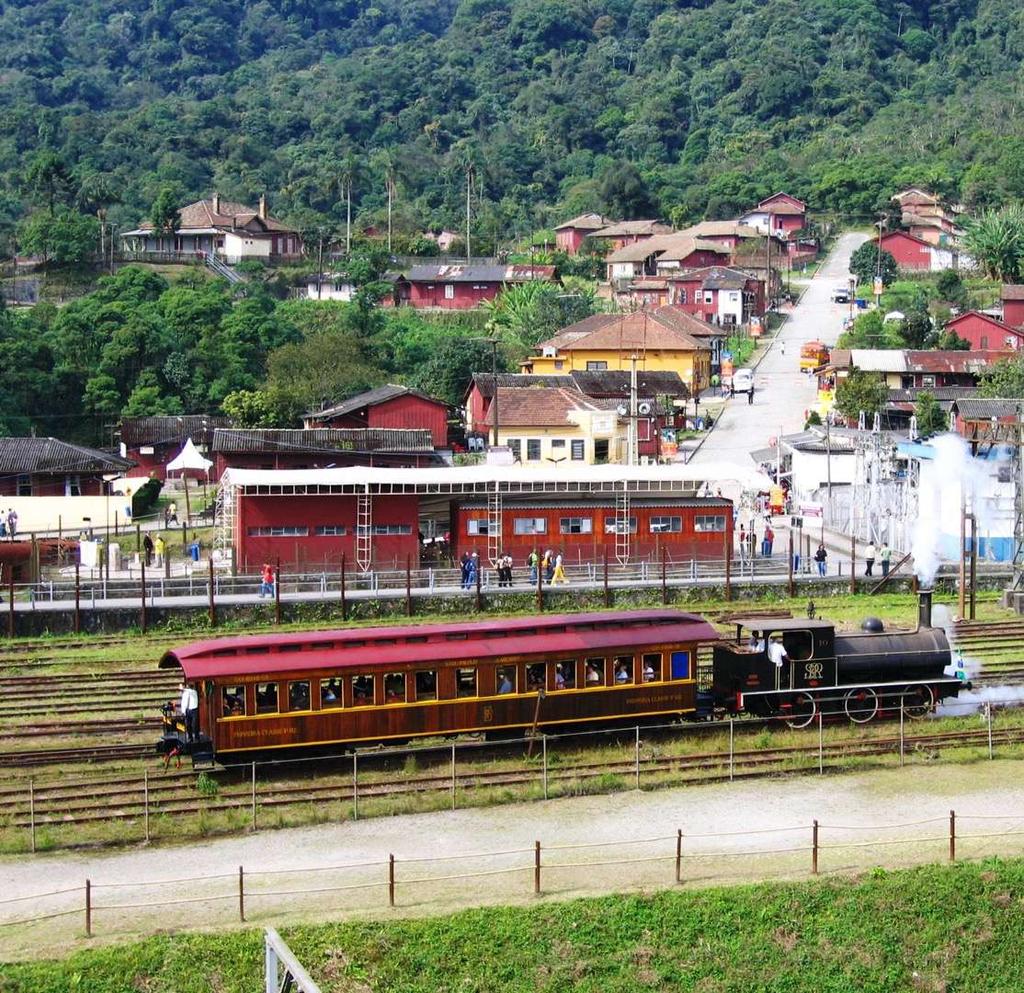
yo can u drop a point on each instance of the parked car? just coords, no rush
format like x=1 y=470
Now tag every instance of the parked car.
x=841 y=294
x=743 y=380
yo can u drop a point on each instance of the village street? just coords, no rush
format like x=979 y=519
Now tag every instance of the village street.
x=782 y=393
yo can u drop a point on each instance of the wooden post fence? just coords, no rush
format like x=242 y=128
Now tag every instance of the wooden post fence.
x=679 y=855
x=536 y=868
x=408 y=586
x=143 y=619
x=607 y=592
x=241 y=894
x=344 y=604
x=814 y=849
x=10 y=601
x=88 y=908
x=78 y=599
x=853 y=563
x=277 y=592
x=952 y=836
x=391 y=880
x=213 y=604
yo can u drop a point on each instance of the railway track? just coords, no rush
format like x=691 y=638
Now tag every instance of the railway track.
x=174 y=794
x=78 y=755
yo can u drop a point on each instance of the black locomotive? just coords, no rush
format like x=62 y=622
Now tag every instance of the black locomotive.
x=798 y=669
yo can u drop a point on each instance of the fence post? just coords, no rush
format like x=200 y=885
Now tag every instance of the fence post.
x=988 y=720
x=638 y=756
x=408 y=586
x=607 y=592
x=254 y=796
x=544 y=759
x=344 y=605
x=88 y=908
x=453 y=770
x=732 y=749
x=145 y=801
x=10 y=601
x=142 y=614
x=952 y=836
x=78 y=600
x=213 y=604
x=821 y=744
x=814 y=849
x=728 y=565
x=679 y=855
x=664 y=580
x=901 y=731
x=540 y=587
x=853 y=563
x=241 y=894
x=277 y=593
x=536 y=868
x=32 y=811
x=355 y=786
x=790 y=582
x=391 y=880
x=476 y=595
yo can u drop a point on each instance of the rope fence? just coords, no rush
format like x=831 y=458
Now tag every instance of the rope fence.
x=391 y=880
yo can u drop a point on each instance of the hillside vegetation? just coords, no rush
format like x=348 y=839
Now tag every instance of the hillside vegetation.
x=929 y=930
x=678 y=108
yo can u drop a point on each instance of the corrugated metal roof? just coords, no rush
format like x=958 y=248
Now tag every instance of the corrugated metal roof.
x=984 y=408
x=135 y=431
x=371 y=398
x=49 y=455
x=480 y=273
x=1012 y=291
x=321 y=440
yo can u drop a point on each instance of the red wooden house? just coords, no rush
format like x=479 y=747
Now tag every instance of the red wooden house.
x=387 y=407
x=915 y=254
x=152 y=442
x=461 y=287
x=622 y=233
x=717 y=294
x=570 y=235
x=1012 y=296
x=985 y=332
x=49 y=467
x=781 y=215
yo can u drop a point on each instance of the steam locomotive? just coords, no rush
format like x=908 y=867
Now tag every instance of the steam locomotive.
x=501 y=678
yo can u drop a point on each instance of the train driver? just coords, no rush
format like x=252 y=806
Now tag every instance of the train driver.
x=776 y=652
x=756 y=643
x=190 y=710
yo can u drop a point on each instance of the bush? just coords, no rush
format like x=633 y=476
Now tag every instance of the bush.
x=145 y=497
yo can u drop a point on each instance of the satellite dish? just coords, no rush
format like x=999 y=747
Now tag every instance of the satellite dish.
x=622 y=410
x=644 y=408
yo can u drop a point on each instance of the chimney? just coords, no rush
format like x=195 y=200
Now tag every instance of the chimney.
x=263 y=206
x=216 y=203
x=924 y=609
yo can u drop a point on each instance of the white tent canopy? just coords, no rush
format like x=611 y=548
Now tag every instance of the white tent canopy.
x=189 y=458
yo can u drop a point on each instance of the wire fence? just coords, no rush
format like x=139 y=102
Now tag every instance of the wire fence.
x=545 y=868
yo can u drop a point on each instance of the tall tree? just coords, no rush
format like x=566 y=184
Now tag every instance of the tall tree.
x=164 y=214
x=996 y=240
x=860 y=392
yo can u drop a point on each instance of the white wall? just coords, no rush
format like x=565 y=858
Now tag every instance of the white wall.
x=810 y=471
x=730 y=304
x=239 y=245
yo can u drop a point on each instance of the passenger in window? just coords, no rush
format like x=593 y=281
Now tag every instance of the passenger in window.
x=535 y=677
x=328 y=692
x=756 y=643
x=559 y=677
x=648 y=672
x=504 y=683
x=593 y=676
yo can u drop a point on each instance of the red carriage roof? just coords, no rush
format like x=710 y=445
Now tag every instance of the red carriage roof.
x=376 y=648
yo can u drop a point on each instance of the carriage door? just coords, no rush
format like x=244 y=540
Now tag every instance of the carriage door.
x=680 y=665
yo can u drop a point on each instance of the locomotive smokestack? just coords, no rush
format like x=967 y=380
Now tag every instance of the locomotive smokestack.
x=924 y=609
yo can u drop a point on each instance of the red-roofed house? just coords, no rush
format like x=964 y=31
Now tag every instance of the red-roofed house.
x=461 y=287
x=914 y=254
x=386 y=407
x=623 y=233
x=219 y=227
x=718 y=295
x=985 y=332
x=780 y=214
x=1012 y=296
x=571 y=234
x=654 y=256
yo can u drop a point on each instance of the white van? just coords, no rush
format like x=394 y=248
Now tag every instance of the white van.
x=743 y=380
x=841 y=294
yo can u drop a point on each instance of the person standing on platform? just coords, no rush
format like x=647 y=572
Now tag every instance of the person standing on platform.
x=869 y=559
x=885 y=557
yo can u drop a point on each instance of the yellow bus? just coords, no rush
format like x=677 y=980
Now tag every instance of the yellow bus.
x=813 y=355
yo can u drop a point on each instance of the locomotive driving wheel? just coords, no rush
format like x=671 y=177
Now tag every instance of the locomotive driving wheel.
x=917 y=701
x=802 y=711
x=861 y=705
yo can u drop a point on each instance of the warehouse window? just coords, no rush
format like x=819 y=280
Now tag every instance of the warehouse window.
x=283 y=531
x=612 y=525
x=24 y=485
x=385 y=529
x=449 y=291
x=596 y=366
x=576 y=525
x=662 y=525
x=529 y=525
x=709 y=522
x=478 y=525
x=558 y=443
x=330 y=530
x=578 y=450
x=533 y=449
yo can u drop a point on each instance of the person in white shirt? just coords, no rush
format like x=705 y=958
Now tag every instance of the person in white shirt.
x=190 y=710
x=776 y=653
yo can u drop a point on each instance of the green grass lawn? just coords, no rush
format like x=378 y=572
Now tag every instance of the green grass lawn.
x=937 y=929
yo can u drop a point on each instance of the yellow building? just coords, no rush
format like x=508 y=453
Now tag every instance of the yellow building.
x=665 y=339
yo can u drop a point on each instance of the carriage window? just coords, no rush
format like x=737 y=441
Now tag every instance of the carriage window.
x=680 y=665
x=394 y=687
x=563 y=672
x=465 y=682
x=798 y=644
x=505 y=681
x=362 y=691
x=623 y=669
x=594 y=672
x=233 y=701
x=652 y=667
x=266 y=698
x=426 y=684
x=535 y=677
x=330 y=693
x=298 y=695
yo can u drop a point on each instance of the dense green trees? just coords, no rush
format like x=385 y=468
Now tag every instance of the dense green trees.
x=655 y=107
x=860 y=392
x=867 y=262
x=995 y=239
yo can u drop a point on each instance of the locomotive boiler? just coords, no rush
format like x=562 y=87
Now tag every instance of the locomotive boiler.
x=798 y=669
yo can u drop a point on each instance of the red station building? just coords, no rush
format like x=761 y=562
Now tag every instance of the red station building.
x=387 y=407
x=374 y=516
x=462 y=287
x=49 y=467
x=152 y=442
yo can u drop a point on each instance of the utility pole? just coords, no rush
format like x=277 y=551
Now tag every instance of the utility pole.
x=320 y=266
x=469 y=191
x=632 y=442
x=878 y=262
x=348 y=216
x=494 y=384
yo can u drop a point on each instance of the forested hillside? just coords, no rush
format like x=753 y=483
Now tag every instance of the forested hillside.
x=673 y=107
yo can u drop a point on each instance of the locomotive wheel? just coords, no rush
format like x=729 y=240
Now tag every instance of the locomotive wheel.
x=861 y=705
x=802 y=712
x=918 y=701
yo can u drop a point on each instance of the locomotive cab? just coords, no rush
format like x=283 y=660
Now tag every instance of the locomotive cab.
x=744 y=670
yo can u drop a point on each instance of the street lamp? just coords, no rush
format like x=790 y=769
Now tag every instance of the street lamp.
x=108 y=479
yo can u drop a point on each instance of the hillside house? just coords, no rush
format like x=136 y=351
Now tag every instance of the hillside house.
x=602 y=342
x=1012 y=298
x=913 y=254
x=985 y=332
x=386 y=407
x=462 y=287
x=570 y=235
x=655 y=257
x=622 y=233
x=779 y=215
x=731 y=235
x=229 y=230
x=50 y=467
x=718 y=294
x=974 y=416
x=151 y=442
x=904 y=369
x=924 y=216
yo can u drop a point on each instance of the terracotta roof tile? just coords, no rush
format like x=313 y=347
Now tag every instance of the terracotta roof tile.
x=544 y=407
x=664 y=328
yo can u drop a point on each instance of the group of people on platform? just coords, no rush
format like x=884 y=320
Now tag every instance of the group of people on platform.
x=548 y=568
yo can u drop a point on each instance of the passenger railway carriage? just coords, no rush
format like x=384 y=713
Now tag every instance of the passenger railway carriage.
x=394 y=684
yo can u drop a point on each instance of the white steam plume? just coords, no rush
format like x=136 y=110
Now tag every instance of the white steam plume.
x=972 y=701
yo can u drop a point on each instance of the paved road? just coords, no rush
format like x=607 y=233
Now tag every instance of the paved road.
x=782 y=393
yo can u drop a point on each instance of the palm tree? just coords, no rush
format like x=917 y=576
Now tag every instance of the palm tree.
x=995 y=239
x=348 y=172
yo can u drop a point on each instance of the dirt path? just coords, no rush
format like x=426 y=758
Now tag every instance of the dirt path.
x=282 y=867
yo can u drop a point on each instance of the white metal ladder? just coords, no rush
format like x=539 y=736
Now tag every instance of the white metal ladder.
x=493 y=527
x=364 y=531
x=622 y=528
